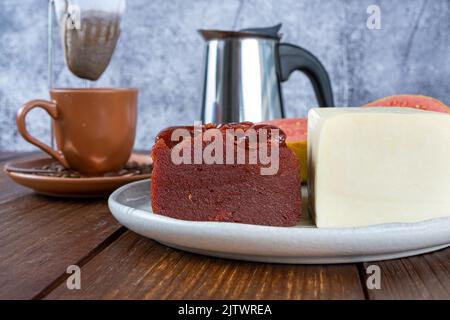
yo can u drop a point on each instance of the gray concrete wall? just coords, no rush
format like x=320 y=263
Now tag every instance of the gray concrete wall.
x=161 y=53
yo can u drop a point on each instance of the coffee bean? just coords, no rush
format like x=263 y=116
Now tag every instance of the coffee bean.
x=55 y=169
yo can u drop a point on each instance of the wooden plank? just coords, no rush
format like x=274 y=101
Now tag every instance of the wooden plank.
x=134 y=267
x=9 y=189
x=6 y=155
x=41 y=236
x=421 y=277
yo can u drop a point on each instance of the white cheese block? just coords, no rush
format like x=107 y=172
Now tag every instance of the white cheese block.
x=371 y=166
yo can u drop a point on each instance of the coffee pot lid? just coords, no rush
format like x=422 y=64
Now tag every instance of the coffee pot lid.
x=267 y=33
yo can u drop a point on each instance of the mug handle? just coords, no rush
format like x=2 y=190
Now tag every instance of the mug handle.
x=52 y=110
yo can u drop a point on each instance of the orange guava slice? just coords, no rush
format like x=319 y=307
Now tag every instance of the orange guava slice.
x=411 y=101
x=296 y=130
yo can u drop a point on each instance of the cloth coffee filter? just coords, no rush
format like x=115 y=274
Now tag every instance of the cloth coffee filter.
x=90 y=30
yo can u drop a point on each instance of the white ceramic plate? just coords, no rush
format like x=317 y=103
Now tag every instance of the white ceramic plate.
x=304 y=243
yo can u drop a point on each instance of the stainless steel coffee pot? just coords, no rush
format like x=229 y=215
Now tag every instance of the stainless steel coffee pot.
x=243 y=72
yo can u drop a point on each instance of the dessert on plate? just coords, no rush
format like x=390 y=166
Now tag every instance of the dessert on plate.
x=366 y=166
x=226 y=192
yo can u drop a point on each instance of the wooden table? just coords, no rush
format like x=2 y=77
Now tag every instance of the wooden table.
x=41 y=236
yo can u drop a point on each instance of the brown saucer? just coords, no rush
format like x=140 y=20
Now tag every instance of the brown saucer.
x=79 y=187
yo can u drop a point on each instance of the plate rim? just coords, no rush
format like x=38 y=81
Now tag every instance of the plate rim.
x=40 y=178
x=393 y=225
x=305 y=233
x=36 y=177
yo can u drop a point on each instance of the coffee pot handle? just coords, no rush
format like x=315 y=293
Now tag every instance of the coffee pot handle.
x=294 y=58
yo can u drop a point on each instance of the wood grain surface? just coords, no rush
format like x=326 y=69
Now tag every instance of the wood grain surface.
x=8 y=189
x=137 y=268
x=420 y=277
x=6 y=155
x=41 y=236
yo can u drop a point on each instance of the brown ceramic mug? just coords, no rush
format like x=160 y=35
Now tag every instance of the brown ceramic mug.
x=94 y=128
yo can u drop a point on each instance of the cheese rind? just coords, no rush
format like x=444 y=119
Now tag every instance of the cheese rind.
x=371 y=166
